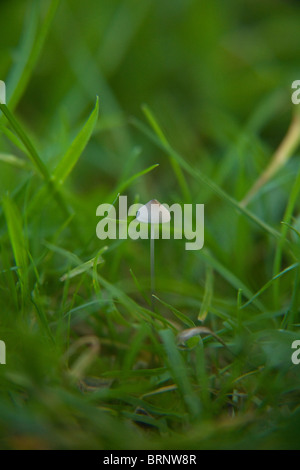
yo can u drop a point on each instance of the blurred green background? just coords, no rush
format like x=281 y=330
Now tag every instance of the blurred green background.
x=217 y=77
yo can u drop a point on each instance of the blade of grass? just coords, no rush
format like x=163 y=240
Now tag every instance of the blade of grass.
x=14 y=139
x=290 y=315
x=131 y=306
x=181 y=316
x=89 y=76
x=135 y=346
x=123 y=27
x=208 y=294
x=82 y=268
x=139 y=287
x=269 y=283
x=32 y=153
x=200 y=177
x=292 y=228
x=36 y=301
x=36 y=160
x=230 y=277
x=8 y=276
x=185 y=335
x=65 y=253
x=280 y=157
x=13 y=160
x=174 y=163
x=284 y=230
x=127 y=183
x=178 y=370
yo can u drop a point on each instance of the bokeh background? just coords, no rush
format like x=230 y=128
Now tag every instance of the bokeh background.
x=217 y=76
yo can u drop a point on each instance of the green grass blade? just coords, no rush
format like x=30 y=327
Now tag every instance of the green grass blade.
x=139 y=287
x=200 y=177
x=82 y=268
x=174 y=163
x=131 y=306
x=178 y=370
x=7 y=275
x=14 y=139
x=229 y=277
x=127 y=183
x=208 y=294
x=284 y=230
x=292 y=228
x=32 y=153
x=18 y=242
x=12 y=160
x=29 y=51
x=36 y=301
x=98 y=259
x=181 y=316
x=270 y=282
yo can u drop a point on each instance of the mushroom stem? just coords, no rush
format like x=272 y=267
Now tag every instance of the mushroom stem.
x=152 y=267
x=153 y=213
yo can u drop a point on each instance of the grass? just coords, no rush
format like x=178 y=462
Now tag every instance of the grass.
x=89 y=364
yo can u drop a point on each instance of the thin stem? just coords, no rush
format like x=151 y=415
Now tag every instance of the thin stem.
x=152 y=267
x=280 y=157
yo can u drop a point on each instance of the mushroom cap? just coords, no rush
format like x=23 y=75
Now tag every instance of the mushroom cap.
x=153 y=213
x=2 y=92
